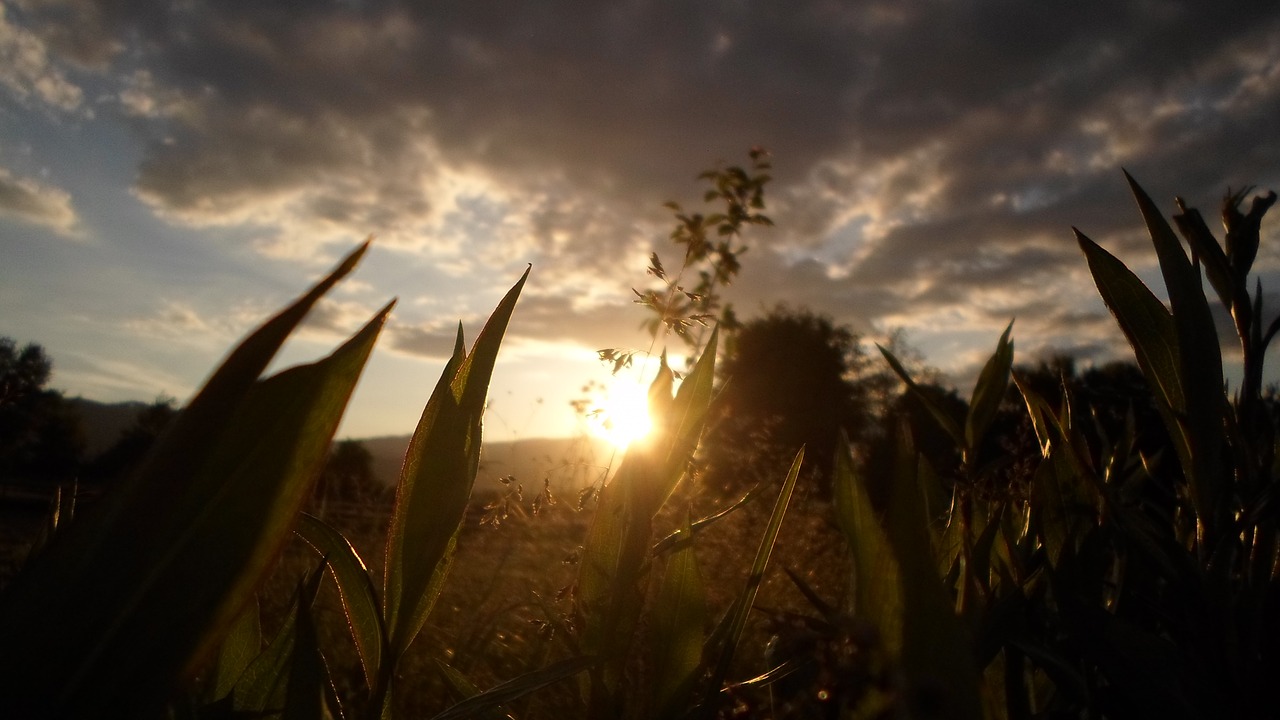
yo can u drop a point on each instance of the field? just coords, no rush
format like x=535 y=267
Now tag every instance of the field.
x=510 y=588
x=1040 y=553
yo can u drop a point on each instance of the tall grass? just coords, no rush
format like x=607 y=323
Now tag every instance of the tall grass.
x=1083 y=598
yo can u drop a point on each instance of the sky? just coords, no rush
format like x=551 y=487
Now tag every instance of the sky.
x=173 y=172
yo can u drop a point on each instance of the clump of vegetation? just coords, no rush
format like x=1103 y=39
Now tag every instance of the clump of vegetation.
x=1093 y=565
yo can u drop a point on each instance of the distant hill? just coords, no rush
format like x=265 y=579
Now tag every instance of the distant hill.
x=104 y=422
x=570 y=463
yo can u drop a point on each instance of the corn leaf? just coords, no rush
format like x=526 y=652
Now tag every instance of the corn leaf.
x=462 y=686
x=613 y=571
x=989 y=391
x=1151 y=331
x=1037 y=409
x=355 y=587
x=1065 y=505
x=308 y=676
x=678 y=620
x=1200 y=359
x=435 y=482
x=264 y=686
x=937 y=657
x=223 y=488
x=239 y=648
x=737 y=619
x=681 y=421
x=877 y=583
x=941 y=415
x=1205 y=247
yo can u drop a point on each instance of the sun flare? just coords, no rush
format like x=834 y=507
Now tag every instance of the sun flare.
x=620 y=414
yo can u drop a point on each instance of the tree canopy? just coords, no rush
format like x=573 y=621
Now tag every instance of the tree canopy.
x=789 y=379
x=40 y=436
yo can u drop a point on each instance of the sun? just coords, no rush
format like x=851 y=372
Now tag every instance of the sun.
x=619 y=413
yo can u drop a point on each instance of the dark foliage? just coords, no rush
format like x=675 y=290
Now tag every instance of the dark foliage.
x=789 y=380
x=347 y=476
x=124 y=456
x=40 y=435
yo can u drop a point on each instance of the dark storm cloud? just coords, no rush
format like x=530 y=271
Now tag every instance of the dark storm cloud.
x=962 y=138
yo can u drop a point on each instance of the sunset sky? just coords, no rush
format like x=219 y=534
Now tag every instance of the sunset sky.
x=171 y=172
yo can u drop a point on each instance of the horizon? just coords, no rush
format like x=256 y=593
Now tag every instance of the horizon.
x=171 y=175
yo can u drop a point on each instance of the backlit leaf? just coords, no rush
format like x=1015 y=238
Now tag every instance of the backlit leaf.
x=737 y=619
x=989 y=391
x=877 y=583
x=678 y=619
x=355 y=587
x=1201 y=362
x=937 y=655
x=221 y=491
x=948 y=423
x=435 y=482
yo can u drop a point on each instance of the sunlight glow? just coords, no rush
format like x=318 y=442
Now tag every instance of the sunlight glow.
x=620 y=413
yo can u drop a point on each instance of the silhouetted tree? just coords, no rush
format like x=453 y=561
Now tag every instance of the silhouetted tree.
x=347 y=475
x=22 y=372
x=789 y=380
x=40 y=435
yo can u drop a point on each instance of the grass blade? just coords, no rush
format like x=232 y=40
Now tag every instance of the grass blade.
x=678 y=620
x=464 y=688
x=216 y=526
x=944 y=418
x=516 y=688
x=989 y=391
x=877 y=584
x=1151 y=331
x=742 y=607
x=239 y=648
x=1200 y=363
x=355 y=587
x=435 y=482
x=937 y=658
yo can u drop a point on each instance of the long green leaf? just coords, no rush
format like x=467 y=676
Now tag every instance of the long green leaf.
x=937 y=656
x=435 y=482
x=214 y=527
x=264 y=686
x=877 y=582
x=1201 y=363
x=940 y=414
x=463 y=687
x=989 y=391
x=1150 y=329
x=742 y=606
x=355 y=587
x=308 y=676
x=613 y=572
x=239 y=648
x=678 y=620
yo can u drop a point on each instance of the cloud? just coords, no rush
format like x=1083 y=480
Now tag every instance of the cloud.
x=28 y=72
x=37 y=203
x=930 y=158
